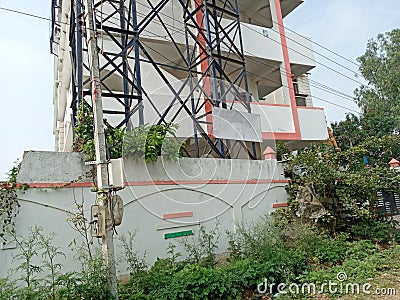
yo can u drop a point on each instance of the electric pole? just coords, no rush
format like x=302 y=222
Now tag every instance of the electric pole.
x=103 y=190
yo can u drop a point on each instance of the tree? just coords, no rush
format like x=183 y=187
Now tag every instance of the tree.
x=380 y=67
x=346 y=184
x=347 y=181
x=379 y=99
x=348 y=132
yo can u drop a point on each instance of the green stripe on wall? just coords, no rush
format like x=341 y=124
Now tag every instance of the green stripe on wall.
x=178 y=234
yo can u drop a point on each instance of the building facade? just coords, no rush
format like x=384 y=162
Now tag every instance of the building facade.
x=276 y=66
x=225 y=71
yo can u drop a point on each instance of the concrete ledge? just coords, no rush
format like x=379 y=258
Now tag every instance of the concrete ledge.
x=48 y=166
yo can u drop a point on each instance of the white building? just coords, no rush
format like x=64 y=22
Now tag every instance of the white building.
x=165 y=199
x=277 y=63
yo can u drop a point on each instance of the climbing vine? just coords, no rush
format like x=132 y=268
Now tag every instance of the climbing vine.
x=9 y=206
x=151 y=141
x=84 y=132
x=145 y=141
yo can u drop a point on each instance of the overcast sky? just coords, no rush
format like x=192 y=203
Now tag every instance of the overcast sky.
x=26 y=77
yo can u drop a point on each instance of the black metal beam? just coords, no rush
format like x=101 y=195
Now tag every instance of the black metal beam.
x=211 y=45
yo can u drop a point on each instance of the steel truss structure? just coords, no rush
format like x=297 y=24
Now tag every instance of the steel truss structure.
x=203 y=48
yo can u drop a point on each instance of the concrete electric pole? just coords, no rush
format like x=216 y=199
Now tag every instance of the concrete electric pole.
x=103 y=191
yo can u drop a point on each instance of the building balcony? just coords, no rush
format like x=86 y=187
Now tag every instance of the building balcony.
x=259 y=12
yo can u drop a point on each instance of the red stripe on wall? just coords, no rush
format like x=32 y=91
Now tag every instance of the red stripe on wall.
x=178 y=215
x=277 y=205
x=146 y=183
x=204 y=67
x=55 y=185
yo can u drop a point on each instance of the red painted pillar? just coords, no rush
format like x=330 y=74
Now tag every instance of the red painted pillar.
x=204 y=66
x=288 y=70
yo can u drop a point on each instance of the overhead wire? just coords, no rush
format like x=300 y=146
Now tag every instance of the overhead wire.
x=312 y=41
x=311 y=58
x=311 y=80
x=279 y=83
x=243 y=24
x=313 y=83
x=177 y=31
x=298 y=52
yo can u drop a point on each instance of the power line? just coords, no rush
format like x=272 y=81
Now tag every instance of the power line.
x=325 y=48
x=324 y=65
x=291 y=30
x=48 y=19
x=291 y=88
x=25 y=14
x=321 y=87
x=318 y=85
x=348 y=77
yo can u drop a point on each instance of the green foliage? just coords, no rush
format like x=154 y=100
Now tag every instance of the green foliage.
x=79 y=222
x=145 y=141
x=114 y=140
x=361 y=249
x=346 y=186
x=7 y=288
x=329 y=251
x=89 y=283
x=379 y=229
x=348 y=132
x=37 y=255
x=9 y=205
x=275 y=250
x=282 y=150
x=50 y=254
x=364 y=261
x=270 y=245
x=29 y=248
x=151 y=141
x=93 y=278
x=379 y=98
x=84 y=131
x=201 y=248
x=380 y=68
x=135 y=263
x=39 y=273
x=278 y=250
x=8 y=211
x=318 y=246
x=84 y=134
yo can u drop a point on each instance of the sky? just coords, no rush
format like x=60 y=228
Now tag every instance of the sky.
x=26 y=77
x=343 y=26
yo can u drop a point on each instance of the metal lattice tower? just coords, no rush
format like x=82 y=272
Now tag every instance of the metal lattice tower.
x=199 y=42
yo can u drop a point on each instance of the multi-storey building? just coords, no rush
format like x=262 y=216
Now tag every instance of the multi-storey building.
x=225 y=71
x=245 y=35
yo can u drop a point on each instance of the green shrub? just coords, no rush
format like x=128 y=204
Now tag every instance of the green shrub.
x=7 y=289
x=361 y=249
x=136 y=263
x=201 y=247
x=376 y=229
x=151 y=141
